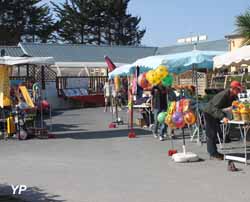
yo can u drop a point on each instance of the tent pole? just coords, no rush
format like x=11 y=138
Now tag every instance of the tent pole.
x=197 y=103
x=195 y=81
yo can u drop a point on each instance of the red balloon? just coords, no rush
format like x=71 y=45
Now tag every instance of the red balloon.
x=180 y=124
x=142 y=81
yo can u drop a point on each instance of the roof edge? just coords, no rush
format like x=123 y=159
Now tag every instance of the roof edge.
x=185 y=44
x=24 y=51
x=233 y=36
x=21 y=44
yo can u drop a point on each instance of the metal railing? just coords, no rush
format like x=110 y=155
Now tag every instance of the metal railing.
x=94 y=84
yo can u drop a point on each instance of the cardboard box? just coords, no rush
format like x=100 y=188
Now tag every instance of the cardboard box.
x=140 y=122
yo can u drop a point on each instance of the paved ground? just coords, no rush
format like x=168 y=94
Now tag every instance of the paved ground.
x=88 y=162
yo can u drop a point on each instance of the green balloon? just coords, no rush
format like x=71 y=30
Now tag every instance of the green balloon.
x=161 y=117
x=167 y=81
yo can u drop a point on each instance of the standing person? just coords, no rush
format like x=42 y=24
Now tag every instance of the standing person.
x=170 y=96
x=114 y=102
x=107 y=95
x=158 y=104
x=215 y=111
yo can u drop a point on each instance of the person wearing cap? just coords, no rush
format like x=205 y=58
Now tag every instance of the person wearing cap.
x=215 y=111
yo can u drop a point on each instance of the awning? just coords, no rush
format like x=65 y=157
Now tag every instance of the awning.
x=120 y=71
x=177 y=63
x=234 y=58
x=181 y=62
x=8 y=60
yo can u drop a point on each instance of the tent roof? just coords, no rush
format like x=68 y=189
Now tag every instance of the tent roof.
x=177 y=63
x=236 y=57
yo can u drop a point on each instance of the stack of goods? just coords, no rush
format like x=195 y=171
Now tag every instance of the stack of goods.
x=241 y=111
x=178 y=114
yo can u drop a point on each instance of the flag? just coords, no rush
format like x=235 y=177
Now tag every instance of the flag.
x=111 y=65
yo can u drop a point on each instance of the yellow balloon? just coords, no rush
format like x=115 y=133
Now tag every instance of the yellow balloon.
x=151 y=77
x=161 y=71
x=169 y=122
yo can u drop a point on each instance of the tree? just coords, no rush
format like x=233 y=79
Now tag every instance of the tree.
x=98 y=22
x=40 y=25
x=73 y=24
x=122 y=28
x=24 y=20
x=243 y=26
x=11 y=22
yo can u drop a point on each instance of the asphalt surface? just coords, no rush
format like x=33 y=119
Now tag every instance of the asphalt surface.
x=88 y=162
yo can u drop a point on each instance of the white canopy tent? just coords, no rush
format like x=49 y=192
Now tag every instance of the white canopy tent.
x=122 y=70
x=234 y=58
x=8 y=60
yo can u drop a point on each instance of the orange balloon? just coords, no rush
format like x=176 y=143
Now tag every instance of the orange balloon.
x=186 y=105
x=142 y=81
x=189 y=118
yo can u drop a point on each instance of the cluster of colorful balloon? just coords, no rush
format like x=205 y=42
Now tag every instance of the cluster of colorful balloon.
x=155 y=77
x=178 y=114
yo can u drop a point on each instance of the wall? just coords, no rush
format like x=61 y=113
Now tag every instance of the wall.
x=235 y=43
x=55 y=101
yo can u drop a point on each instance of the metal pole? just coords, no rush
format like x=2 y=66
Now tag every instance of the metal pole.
x=184 y=143
x=42 y=89
x=195 y=80
x=50 y=115
x=245 y=143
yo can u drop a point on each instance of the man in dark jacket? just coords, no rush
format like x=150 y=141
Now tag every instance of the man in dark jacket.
x=215 y=111
x=158 y=104
x=160 y=97
x=170 y=96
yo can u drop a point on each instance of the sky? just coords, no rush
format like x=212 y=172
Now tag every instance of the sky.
x=167 y=20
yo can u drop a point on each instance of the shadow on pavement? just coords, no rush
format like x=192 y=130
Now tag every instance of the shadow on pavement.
x=33 y=194
x=102 y=134
x=67 y=127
